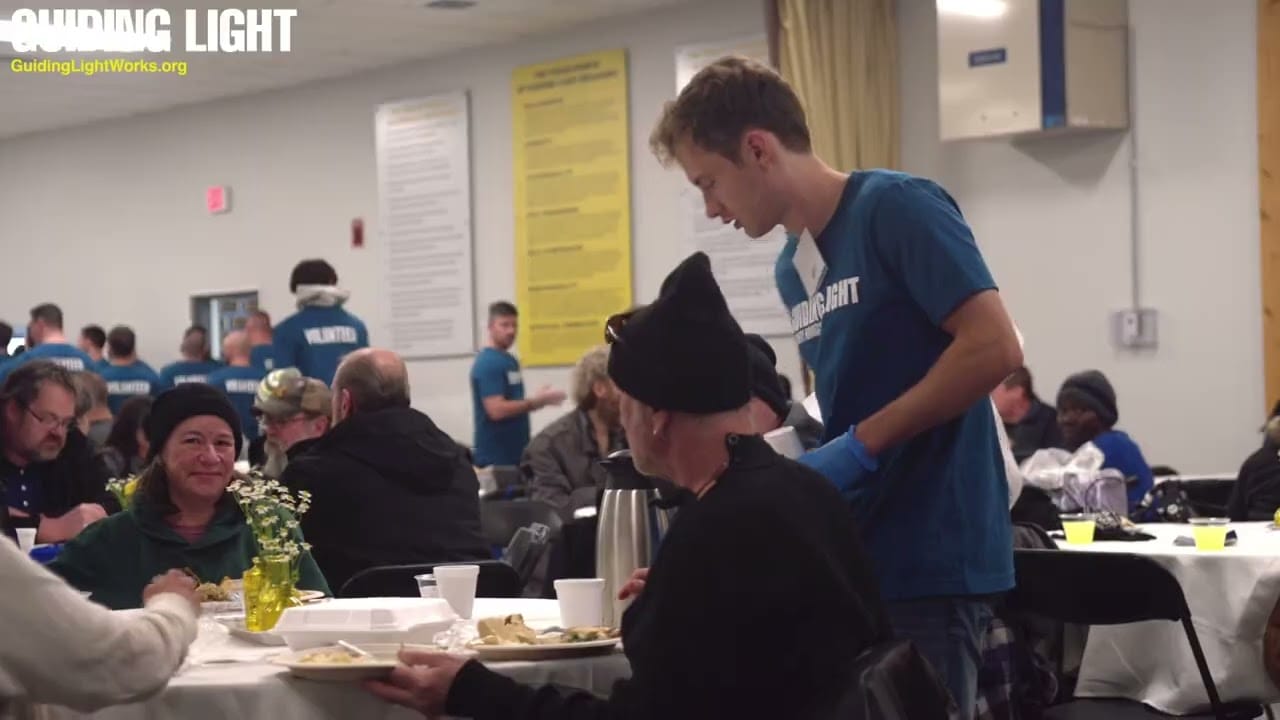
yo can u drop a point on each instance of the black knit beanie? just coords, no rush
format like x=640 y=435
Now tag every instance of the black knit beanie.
x=187 y=401
x=1091 y=389
x=765 y=383
x=684 y=352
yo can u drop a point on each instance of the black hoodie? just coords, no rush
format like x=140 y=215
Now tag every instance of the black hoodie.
x=1255 y=495
x=387 y=488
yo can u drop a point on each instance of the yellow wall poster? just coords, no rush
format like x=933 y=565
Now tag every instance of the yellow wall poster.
x=572 y=174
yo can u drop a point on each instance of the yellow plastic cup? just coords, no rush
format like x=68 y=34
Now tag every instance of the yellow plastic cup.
x=1078 y=528
x=1210 y=533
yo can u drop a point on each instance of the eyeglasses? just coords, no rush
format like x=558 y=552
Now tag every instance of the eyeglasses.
x=265 y=421
x=53 y=421
x=614 y=325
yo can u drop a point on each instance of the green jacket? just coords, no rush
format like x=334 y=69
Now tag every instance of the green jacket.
x=117 y=557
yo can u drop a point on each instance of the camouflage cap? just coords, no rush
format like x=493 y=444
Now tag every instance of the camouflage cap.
x=286 y=392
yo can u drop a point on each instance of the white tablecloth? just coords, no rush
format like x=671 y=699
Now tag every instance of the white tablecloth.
x=1230 y=593
x=229 y=678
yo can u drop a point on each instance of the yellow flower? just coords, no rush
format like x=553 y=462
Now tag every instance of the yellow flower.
x=130 y=488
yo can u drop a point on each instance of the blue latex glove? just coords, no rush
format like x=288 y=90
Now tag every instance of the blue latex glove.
x=845 y=461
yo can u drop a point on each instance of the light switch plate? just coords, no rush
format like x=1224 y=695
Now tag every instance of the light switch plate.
x=1134 y=329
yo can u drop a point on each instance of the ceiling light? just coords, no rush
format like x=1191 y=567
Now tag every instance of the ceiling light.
x=450 y=4
x=982 y=9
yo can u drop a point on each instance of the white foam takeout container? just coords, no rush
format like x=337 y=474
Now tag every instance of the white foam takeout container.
x=365 y=620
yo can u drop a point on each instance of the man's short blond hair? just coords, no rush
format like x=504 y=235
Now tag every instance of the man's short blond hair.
x=724 y=100
x=590 y=369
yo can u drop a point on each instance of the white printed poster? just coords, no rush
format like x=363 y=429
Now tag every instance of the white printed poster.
x=424 y=192
x=742 y=266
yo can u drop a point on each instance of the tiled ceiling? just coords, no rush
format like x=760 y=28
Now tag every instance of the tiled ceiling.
x=331 y=38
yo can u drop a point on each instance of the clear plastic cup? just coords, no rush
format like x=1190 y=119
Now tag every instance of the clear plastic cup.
x=26 y=539
x=1079 y=528
x=427 y=587
x=1210 y=533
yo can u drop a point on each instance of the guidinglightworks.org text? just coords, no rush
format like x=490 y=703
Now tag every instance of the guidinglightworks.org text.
x=95 y=67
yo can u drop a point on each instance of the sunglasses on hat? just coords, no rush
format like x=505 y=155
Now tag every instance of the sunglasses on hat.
x=614 y=325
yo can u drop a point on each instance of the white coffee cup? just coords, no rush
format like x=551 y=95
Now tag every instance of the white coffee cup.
x=581 y=602
x=785 y=442
x=26 y=539
x=457 y=585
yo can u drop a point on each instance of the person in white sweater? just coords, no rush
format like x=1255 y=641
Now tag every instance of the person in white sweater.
x=59 y=648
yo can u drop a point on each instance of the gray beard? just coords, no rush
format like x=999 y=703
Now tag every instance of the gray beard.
x=277 y=460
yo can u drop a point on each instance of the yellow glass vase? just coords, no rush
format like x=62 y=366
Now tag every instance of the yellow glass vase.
x=268 y=590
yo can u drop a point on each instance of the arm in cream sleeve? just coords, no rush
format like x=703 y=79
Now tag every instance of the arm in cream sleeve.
x=62 y=649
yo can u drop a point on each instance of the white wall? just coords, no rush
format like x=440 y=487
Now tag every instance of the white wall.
x=1052 y=217
x=122 y=202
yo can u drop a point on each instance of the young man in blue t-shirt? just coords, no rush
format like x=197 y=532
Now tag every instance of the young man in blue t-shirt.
x=896 y=312
x=322 y=332
x=93 y=341
x=258 y=329
x=499 y=406
x=46 y=342
x=195 y=365
x=239 y=380
x=125 y=374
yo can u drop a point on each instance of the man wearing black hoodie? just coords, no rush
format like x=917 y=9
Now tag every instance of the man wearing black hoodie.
x=387 y=486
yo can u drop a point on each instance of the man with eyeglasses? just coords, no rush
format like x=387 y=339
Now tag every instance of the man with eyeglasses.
x=293 y=412
x=50 y=480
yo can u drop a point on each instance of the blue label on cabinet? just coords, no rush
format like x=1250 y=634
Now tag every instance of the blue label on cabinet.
x=994 y=56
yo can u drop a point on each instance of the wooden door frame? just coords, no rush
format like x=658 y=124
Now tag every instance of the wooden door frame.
x=1269 y=189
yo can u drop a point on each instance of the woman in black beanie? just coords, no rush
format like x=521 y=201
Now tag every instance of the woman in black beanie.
x=182 y=516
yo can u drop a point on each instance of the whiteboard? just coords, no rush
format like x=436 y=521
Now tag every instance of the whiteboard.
x=424 y=197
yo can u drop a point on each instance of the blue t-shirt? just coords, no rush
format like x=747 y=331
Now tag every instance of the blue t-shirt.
x=241 y=385
x=186 y=371
x=498 y=442
x=126 y=381
x=99 y=365
x=68 y=356
x=262 y=357
x=899 y=259
x=314 y=339
x=1120 y=452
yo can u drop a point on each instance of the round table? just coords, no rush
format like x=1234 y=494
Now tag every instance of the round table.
x=1230 y=592
x=230 y=678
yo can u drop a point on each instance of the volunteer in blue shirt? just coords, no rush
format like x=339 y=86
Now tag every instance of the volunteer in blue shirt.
x=261 y=352
x=46 y=341
x=315 y=338
x=93 y=341
x=126 y=375
x=1087 y=413
x=195 y=365
x=896 y=312
x=239 y=380
x=499 y=406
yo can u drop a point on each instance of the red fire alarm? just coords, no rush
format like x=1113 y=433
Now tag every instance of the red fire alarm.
x=357 y=233
x=217 y=198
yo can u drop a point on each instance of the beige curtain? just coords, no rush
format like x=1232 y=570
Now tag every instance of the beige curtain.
x=841 y=56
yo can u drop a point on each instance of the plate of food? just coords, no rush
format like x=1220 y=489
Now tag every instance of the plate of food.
x=333 y=663
x=509 y=638
x=219 y=597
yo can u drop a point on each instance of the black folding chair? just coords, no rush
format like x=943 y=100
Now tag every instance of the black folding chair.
x=1111 y=589
x=893 y=681
x=497 y=579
